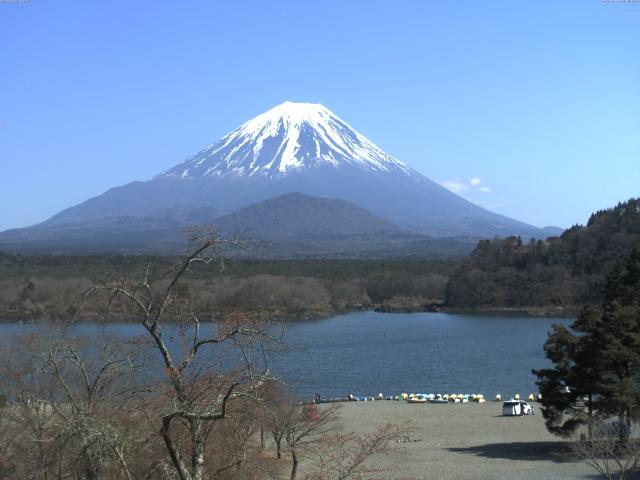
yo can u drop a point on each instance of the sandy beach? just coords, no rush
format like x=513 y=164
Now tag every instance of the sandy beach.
x=470 y=441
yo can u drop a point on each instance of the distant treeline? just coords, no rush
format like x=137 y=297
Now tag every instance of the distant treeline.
x=563 y=271
x=51 y=286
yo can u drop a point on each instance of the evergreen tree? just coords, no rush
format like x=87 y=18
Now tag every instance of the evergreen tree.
x=569 y=389
x=620 y=340
x=619 y=336
x=596 y=361
x=563 y=271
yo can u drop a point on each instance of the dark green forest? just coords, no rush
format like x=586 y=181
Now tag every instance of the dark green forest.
x=565 y=271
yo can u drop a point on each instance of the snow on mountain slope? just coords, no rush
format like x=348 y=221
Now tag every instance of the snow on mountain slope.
x=287 y=138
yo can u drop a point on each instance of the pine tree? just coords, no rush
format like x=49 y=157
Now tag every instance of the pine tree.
x=597 y=359
x=569 y=389
x=619 y=336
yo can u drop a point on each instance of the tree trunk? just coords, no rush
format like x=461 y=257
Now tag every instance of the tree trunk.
x=197 y=452
x=590 y=413
x=181 y=468
x=278 y=447
x=294 y=467
x=90 y=470
x=623 y=429
x=123 y=463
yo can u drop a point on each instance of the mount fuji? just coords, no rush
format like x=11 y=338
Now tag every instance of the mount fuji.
x=287 y=139
x=294 y=147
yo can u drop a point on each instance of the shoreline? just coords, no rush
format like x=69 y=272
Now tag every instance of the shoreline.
x=549 y=311
x=277 y=316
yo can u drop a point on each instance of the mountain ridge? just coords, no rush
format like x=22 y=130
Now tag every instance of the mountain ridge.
x=295 y=215
x=292 y=225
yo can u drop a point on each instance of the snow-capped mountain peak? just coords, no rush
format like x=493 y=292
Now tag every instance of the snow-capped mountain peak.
x=288 y=138
x=294 y=147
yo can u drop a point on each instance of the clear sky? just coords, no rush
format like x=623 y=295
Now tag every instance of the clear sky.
x=531 y=109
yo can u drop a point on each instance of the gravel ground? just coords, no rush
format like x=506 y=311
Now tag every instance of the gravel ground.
x=470 y=441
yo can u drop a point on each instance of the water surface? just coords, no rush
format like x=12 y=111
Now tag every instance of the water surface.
x=367 y=352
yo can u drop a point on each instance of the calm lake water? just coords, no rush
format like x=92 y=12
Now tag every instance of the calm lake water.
x=366 y=353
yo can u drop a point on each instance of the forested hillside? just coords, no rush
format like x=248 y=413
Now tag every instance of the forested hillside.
x=48 y=286
x=563 y=271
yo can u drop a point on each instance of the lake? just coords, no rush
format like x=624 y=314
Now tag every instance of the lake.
x=365 y=353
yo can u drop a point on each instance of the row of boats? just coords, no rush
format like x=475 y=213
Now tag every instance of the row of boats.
x=439 y=398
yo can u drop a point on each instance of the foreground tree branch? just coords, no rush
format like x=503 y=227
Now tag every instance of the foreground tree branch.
x=198 y=393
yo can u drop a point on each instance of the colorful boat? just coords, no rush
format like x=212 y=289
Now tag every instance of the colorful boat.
x=417 y=399
x=438 y=399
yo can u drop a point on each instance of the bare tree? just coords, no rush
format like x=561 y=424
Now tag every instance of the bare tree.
x=350 y=456
x=71 y=402
x=303 y=429
x=184 y=401
x=6 y=433
x=605 y=452
x=276 y=411
x=202 y=376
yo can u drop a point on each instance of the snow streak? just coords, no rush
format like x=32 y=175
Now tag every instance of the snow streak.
x=288 y=138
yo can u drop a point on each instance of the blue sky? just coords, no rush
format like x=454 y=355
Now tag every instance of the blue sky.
x=531 y=109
